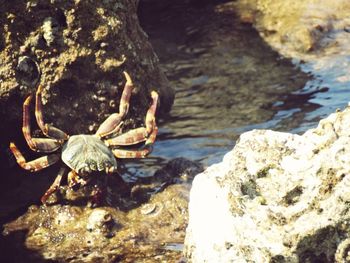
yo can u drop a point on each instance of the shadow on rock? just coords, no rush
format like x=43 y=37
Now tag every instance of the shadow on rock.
x=144 y=220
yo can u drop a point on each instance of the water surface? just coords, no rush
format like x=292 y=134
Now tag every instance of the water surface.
x=228 y=81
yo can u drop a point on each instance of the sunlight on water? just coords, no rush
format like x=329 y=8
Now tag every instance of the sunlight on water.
x=229 y=81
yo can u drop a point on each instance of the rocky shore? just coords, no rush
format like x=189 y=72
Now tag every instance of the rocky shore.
x=276 y=197
x=77 y=50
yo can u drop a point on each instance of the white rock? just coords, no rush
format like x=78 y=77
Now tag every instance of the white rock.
x=276 y=197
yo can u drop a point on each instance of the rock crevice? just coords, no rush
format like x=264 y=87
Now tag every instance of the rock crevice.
x=276 y=197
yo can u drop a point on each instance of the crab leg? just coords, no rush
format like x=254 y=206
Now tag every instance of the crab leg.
x=142 y=153
x=36 y=144
x=151 y=113
x=111 y=170
x=112 y=122
x=111 y=125
x=36 y=164
x=131 y=137
x=140 y=134
x=123 y=154
x=124 y=100
x=152 y=138
x=55 y=185
x=47 y=129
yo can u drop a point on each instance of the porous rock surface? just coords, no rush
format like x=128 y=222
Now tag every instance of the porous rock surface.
x=66 y=233
x=276 y=197
x=301 y=29
x=147 y=225
x=77 y=50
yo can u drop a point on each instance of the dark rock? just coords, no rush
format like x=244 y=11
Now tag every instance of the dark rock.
x=27 y=71
x=80 y=49
x=125 y=227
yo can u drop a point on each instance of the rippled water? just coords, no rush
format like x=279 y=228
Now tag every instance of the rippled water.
x=228 y=81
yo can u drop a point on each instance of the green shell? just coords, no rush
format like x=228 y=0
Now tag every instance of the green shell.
x=87 y=153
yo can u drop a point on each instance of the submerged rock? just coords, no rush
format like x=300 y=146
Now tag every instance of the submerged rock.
x=276 y=197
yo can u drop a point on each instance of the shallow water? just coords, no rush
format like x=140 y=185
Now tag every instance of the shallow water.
x=228 y=81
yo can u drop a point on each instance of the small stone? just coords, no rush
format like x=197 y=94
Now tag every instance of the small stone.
x=112 y=104
x=50 y=30
x=27 y=71
x=97 y=219
x=23 y=49
x=148 y=209
x=347 y=28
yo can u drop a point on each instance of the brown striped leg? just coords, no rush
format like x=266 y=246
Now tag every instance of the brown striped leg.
x=140 y=134
x=110 y=124
x=47 y=129
x=142 y=153
x=55 y=185
x=152 y=138
x=123 y=154
x=36 y=164
x=130 y=137
x=74 y=179
x=36 y=144
x=151 y=113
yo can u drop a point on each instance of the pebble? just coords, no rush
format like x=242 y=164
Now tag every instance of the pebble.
x=148 y=209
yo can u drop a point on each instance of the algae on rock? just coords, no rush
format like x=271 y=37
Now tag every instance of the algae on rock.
x=77 y=50
x=300 y=29
x=129 y=229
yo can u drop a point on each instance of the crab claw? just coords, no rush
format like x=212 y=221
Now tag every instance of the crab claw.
x=154 y=95
x=128 y=79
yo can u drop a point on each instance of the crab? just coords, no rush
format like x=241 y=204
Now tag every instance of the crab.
x=84 y=154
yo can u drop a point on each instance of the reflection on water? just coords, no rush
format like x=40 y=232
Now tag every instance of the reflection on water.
x=228 y=81
x=226 y=78
x=331 y=78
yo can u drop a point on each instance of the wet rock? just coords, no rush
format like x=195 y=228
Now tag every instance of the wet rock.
x=59 y=45
x=177 y=171
x=300 y=29
x=276 y=197
x=100 y=221
x=50 y=30
x=27 y=71
x=124 y=228
x=80 y=49
x=68 y=233
x=225 y=73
